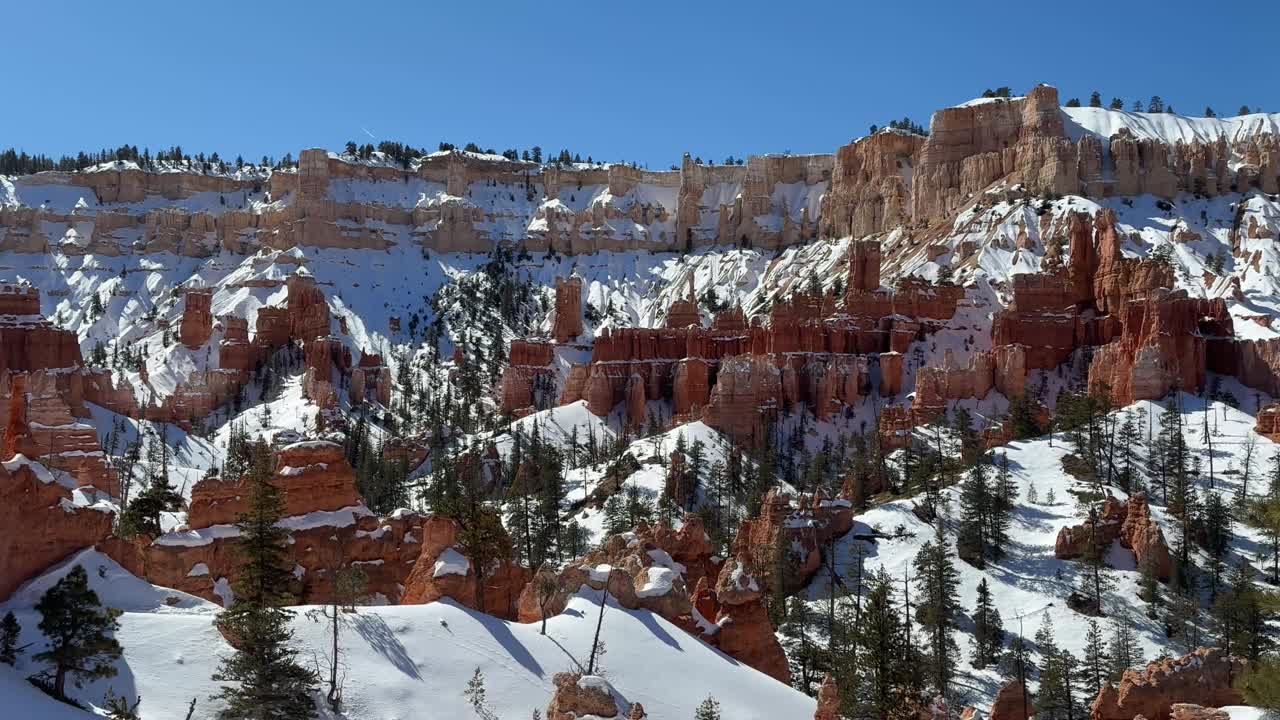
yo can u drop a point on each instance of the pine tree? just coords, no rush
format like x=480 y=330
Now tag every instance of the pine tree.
x=476 y=697
x=708 y=710
x=1095 y=581
x=10 y=632
x=886 y=662
x=937 y=607
x=265 y=680
x=142 y=516
x=988 y=629
x=1097 y=662
x=77 y=627
x=1004 y=499
x=975 y=514
x=1056 y=698
x=1123 y=650
x=1095 y=99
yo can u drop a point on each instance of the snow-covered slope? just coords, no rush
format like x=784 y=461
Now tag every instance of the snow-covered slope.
x=414 y=661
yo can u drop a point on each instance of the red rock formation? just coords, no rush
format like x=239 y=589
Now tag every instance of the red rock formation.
x=442 y=570
x=1161 y=347
x=636 y=408
x=528 y=361
x=197 y=318
x=869 y=193
x=39 y=424
x=828 y=700
x=1268 y=422
x=370 y=379
x=935 y=386
x=308 y=310
x=29 y=342
x=581 y=696
x=1129 y=522
x=890 y=374
x=690 y=389
x=864 y=265
x=313 y=476
x=568 y=313
x=744 y=628
x=1188 y=711
x=39 y=524
x=683 y=312
x=1143 y=536
x=1012 y=703
x=747 y=392
x=319 y=545
x=1205 y=676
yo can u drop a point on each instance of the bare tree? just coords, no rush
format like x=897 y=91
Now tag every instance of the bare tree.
x=596 y=645
x=348 y=587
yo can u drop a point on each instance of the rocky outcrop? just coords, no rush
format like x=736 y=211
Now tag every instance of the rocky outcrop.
x=747 y=393
x=1189 y=711
x=1012 y=703
x=197 y=318
x=1268 y=422
x=39 y=421
x=40 y=524
x=313 y=476
x=1131 y=523
x=828 y=700
x=328 y=525
x=443 y=570
x=527 y=373
x=1203 y=677
x=1161 y=346
x=653 y=568
x=578 y=697
x=28 y=342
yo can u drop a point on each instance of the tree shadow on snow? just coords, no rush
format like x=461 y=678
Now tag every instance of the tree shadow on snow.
x=374 y=630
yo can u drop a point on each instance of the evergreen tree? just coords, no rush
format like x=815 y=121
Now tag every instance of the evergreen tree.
x=975 y=515
x=1003 y=501
x=1095 y=99
x=142 y=516
x=77 y=627
x=988 y=629
x=1056 y=698
x=475 y=695
x=937 y=608
x=709 y=709
x=1095 y=581
x=1096 y=666
x=265 y=679
x=1123 y=650
x=886 y=661
x=10 y=632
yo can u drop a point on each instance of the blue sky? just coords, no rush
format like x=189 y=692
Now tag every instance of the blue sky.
x=633 y=81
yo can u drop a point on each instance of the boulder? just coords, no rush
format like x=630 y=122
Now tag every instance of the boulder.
x=579 y=696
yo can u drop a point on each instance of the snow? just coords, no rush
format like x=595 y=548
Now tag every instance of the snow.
x=115 y=586
x=451 y=562
x=1029 y=580
x=1167 y=127
x=658 y=581
x=405 y=658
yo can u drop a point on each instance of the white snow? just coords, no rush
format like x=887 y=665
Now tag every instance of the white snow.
x=451 y=562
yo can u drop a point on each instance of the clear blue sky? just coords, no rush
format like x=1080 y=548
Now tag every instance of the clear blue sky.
x=642 y=81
